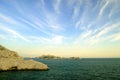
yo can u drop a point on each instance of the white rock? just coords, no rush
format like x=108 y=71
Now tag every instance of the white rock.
x=10 y=60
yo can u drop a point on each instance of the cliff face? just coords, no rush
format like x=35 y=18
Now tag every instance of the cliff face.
x=10 y=60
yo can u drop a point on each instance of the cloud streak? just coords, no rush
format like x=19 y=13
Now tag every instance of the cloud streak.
x=76 y=10
x=14 y=33
x=7 y=19
x=103 y=8
x=58 y=39
x=57 y=6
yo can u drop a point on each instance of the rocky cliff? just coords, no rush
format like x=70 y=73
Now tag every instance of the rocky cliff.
x=10 y=60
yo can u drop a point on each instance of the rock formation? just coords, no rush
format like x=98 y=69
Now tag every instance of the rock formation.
x=10 y=60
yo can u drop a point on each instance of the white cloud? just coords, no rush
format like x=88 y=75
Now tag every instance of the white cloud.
x=53 y=23
x=78 y=23
x=39 y=39
x=110 y=38
x=104 y=33
x=56 y=27
x=86 y=34
x=7 y=19
x=58 y=39
x=14 y=33
x=82 y=21
x=115 y=7
x=57 y=6
x=75 y=13
x=76 y=10
x=103 y=8
x=107 y=28
x=115 y=37
x=54 y=40
x=93 y=41
x=36 y=25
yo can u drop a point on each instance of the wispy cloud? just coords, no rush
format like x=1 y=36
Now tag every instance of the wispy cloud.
x=57 y=6
x=46 y=24
x=103 y=8
x=83 y=18
x=78 y=23
x=53 y=24
x=108 y=39
x=115 y=7
x=102 y=34
x=36 y=25
x=55 y=27
x=115 y=37
x=14 y=33
x=8 y=19
x=75 y=13
x=98 y=29
x=108 y=28
x=76 y=10
x=39 y=39
x=86 y=34
x=58 y=39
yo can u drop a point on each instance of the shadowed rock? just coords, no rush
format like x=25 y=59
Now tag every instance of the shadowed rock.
x=10 y=60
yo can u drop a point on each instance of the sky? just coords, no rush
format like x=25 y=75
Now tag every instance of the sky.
x=82 y=28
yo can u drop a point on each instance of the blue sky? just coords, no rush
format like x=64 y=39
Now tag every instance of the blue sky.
x=61 y=27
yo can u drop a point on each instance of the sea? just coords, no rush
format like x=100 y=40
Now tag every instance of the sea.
x=70 y=69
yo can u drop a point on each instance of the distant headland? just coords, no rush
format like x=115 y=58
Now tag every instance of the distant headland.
x=10 y=60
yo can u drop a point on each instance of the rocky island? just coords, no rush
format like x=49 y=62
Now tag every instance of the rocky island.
x=10 y=60
x=48 y=56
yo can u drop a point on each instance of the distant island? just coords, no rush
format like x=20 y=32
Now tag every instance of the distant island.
x=48 y=56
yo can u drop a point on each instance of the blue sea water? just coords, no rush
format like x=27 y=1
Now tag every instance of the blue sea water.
x=63 y=69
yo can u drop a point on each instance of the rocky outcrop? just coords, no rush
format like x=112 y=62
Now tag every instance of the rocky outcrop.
x=10 y=60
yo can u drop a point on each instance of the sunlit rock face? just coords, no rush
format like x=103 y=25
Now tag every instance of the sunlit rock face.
x=10 y=60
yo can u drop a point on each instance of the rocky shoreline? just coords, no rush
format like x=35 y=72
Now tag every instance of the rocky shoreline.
x=11 y=61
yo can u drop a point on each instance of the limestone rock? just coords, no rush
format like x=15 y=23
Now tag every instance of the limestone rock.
x=10 y=60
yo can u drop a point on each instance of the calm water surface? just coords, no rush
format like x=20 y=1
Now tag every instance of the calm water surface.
x=83 y=69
